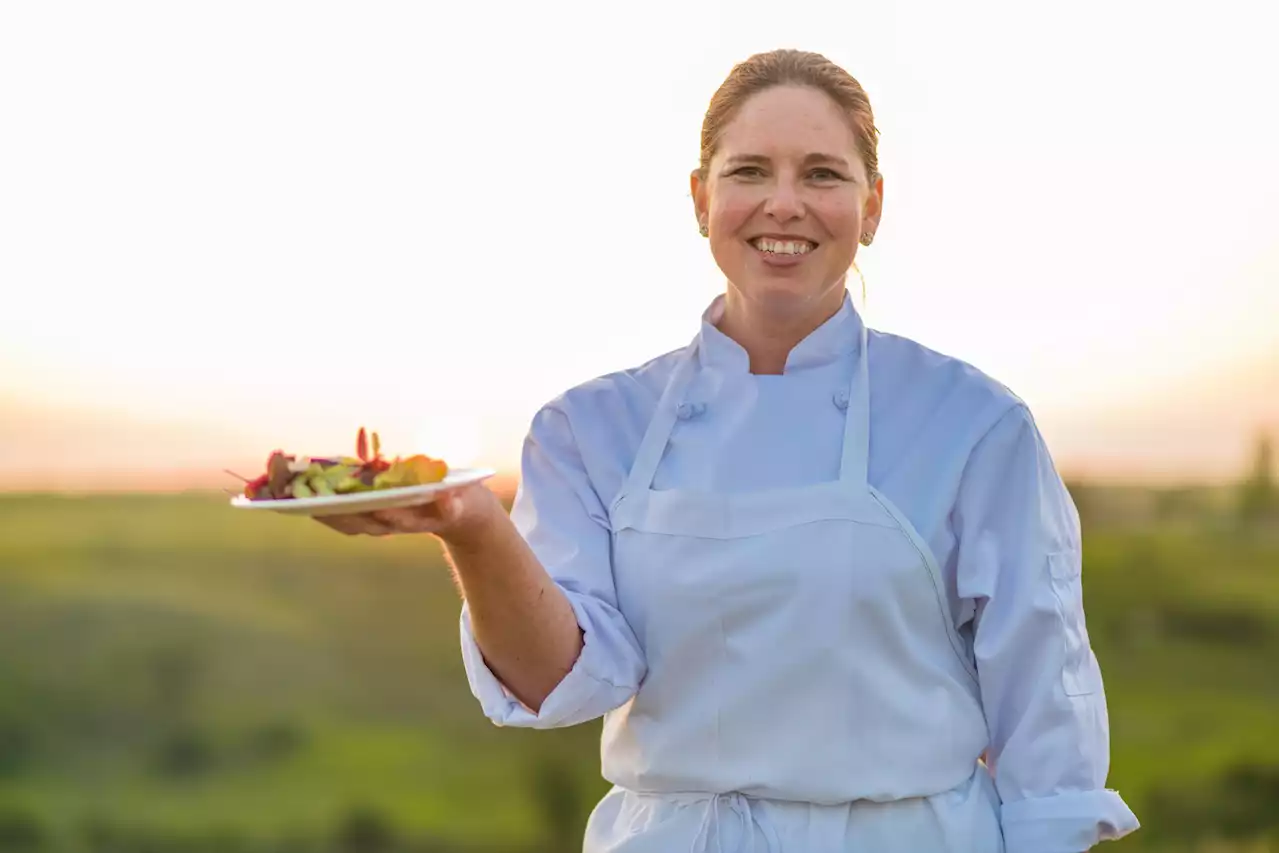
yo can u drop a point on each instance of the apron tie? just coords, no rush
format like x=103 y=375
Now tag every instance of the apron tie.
x=748 y=820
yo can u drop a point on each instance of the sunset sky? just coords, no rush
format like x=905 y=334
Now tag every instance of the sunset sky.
x=235 y=226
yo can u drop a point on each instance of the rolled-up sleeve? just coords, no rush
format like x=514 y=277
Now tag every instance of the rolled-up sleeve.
x=562 y=518
x=1019 y=559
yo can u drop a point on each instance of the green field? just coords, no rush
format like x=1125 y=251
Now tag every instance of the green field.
x=176 y=676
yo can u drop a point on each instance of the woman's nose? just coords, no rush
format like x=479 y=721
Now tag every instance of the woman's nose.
x=784 y=203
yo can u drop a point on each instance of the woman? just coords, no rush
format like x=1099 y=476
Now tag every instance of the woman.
x=822 y=583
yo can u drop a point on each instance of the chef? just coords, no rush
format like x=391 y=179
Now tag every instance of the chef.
x=821 y=582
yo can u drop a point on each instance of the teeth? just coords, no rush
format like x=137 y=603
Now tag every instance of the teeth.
x=782 y=247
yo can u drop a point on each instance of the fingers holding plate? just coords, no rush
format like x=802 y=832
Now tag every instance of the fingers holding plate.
x=356 y=524
x=410 y=519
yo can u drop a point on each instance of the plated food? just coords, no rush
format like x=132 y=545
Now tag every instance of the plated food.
x=312 y=485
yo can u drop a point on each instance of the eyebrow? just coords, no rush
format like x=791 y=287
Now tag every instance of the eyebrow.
x=829 y=159
x=809 y=160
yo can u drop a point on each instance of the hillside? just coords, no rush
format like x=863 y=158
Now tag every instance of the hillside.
x=178 y=676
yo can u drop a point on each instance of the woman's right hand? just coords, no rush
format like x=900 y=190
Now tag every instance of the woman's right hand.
x=458 y=516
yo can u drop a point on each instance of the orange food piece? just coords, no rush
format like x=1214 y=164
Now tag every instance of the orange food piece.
x=414 y=471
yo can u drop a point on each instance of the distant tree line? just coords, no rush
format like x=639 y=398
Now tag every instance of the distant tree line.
x=1253 y=501
x=1258 y=499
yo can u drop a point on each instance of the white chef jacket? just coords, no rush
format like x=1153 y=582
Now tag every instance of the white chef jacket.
x=957 y=455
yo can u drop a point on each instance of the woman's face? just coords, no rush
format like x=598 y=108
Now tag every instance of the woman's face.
x=786 y=199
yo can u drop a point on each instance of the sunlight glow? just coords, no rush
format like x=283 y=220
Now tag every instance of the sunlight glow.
x=285 y=230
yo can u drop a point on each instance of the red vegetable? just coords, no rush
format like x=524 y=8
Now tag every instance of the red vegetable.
x=252 y=487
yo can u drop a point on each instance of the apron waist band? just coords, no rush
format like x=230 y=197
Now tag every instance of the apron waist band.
x=748 y=819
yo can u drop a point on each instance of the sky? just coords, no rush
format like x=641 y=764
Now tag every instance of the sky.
x=230 y=227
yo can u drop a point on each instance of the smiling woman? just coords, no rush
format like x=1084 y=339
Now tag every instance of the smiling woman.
x=785 y=212
x=822 y=582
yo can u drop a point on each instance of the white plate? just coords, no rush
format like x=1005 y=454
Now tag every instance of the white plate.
x=367 y=501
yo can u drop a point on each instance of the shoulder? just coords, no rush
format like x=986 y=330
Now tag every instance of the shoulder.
x=608 y=402
x=590 y=432
x=930 y=387
x=969 y=437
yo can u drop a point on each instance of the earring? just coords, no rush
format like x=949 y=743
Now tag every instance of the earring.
x=867 y=237
x=702 y=229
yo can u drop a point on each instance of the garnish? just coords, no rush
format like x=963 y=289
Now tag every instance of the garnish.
x=288 y=476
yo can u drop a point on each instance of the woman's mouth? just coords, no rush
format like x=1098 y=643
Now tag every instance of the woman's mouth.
x=777 y=251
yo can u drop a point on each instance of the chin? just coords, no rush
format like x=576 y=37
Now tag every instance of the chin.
x=784 y=295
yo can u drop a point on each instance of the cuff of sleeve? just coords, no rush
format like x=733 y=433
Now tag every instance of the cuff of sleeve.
x=1065 y=823
x=565 y=703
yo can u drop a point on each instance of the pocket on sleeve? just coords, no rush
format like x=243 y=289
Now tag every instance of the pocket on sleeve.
x=1080 y=673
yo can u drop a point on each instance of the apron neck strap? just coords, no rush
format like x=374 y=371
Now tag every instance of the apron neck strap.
x=654 y=443
x=857 y=420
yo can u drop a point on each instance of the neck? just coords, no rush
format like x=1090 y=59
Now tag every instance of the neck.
x=767 y=334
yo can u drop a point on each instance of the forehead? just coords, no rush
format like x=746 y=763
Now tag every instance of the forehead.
x=785 y=121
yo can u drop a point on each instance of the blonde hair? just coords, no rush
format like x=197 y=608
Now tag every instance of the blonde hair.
x=796 y=68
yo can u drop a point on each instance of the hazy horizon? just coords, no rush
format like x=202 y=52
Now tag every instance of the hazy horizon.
x=1203 y=429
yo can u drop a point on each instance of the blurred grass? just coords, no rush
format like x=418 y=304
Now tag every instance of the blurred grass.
x=178 y=676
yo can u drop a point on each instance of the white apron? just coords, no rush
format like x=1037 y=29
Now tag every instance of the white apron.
x=806 y=690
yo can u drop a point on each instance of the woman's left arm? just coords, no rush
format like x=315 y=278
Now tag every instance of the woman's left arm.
x=1019 y=559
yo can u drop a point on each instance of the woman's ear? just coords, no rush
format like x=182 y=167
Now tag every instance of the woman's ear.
x=698 y=191
x=873 y=206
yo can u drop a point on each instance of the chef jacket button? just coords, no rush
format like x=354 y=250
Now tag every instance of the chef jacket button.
x=685 y=411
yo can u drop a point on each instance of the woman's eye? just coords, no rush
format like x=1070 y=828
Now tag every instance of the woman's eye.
x=826 y=175
x=747 y=172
